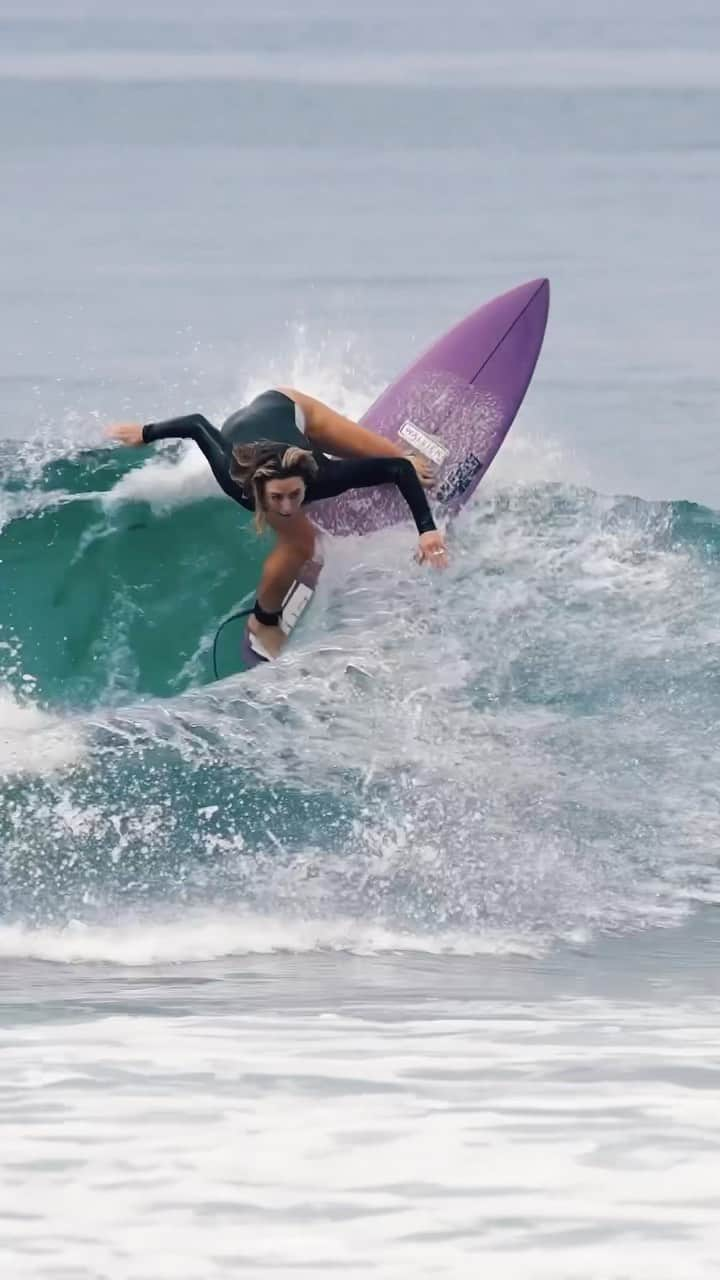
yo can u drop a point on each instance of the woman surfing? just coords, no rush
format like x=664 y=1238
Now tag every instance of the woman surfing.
x=271 y=458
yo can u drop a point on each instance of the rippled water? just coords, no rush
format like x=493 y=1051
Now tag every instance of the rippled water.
x=406 y=1114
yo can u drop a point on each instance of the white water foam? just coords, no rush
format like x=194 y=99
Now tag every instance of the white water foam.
x=34 y=741
x=166 y=484
x=284 y=1123
x=214 y=935
x=531 y=455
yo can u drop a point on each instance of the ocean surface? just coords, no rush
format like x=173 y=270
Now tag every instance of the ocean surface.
x=401 y=958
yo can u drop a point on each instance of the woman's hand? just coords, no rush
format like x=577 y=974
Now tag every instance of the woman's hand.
x=424 y=469
x=432 y=550
x=126 y=433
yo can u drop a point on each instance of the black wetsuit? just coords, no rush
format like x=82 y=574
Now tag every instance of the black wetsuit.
x=273 y=416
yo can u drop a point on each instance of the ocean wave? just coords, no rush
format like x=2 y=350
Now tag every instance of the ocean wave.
x=519 y=748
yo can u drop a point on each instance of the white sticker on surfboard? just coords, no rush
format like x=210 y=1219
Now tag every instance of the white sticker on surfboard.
x=294 y=605
x=429 y=446
x=258 y=647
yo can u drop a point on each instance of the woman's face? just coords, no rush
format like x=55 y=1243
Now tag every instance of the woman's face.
x=284 y=497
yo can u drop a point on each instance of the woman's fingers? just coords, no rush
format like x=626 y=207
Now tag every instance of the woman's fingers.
x=424 y=469
x=130 y=433
x=432 y=550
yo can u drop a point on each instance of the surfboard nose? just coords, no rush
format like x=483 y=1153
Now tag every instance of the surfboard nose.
x=515 y=320
x=538 y=298
x=512 y=328
x=530 y=305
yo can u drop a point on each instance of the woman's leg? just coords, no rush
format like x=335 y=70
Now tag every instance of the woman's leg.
x=340 y=436
x=343 y=438
x=294 y=546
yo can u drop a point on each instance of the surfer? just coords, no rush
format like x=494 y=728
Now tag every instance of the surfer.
x=271 y=457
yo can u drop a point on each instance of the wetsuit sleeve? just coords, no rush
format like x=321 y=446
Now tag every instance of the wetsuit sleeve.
x=362 y=473
x=195 y=427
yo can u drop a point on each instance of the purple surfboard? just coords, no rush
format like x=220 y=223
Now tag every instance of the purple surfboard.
x=455 y=405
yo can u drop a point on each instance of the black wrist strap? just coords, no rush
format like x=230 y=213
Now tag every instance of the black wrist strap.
x=267 y=619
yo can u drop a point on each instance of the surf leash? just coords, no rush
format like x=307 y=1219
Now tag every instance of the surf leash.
x=241 y=613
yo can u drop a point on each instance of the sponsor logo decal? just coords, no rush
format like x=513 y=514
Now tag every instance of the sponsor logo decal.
x=433 y=449
x=459 y=478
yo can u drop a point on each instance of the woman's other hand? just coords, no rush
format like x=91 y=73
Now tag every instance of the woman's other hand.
x=424 y=469
x=126 y=433
x=432 y=549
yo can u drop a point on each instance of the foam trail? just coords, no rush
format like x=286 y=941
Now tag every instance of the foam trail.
x=165 y=484
x=206 y=936
x=34 y=741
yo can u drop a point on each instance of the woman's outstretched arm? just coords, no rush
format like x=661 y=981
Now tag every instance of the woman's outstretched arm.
x=191 y=427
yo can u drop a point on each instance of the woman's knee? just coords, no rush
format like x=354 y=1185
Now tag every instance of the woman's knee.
x=300 y=542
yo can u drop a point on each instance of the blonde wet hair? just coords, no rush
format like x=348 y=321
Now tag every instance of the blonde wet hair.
x=254 y=464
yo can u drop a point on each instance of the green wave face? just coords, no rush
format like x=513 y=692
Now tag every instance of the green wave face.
x=103 y=598
x=107 y=598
